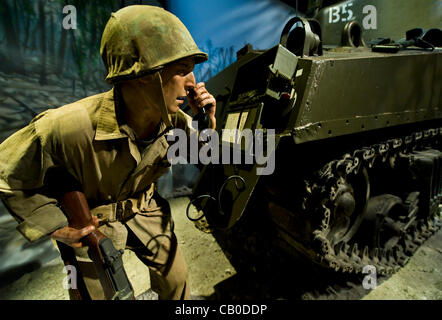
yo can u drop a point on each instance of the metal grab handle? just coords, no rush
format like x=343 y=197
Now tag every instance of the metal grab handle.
x=311 y=39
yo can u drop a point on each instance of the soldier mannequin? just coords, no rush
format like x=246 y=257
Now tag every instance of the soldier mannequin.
x=113 y=144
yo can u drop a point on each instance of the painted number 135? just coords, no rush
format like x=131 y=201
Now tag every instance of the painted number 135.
x=340 y=13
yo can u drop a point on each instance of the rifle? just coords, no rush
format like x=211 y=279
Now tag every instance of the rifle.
x=107 y=260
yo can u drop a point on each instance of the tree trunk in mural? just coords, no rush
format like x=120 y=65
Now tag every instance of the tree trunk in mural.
x=79 y=58
x=93 y=28
x=17 y=23
x=27 y=27
x=61 y=51
x=12 y=38
x=52 y=37
x=42 y=18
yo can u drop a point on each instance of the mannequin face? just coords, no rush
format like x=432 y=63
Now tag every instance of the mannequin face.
x=143 y=95
x=178 y=79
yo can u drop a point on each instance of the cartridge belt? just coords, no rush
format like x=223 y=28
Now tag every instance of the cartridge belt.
x=125 y=209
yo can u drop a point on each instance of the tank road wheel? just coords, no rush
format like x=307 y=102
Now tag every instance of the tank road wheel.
x=387 y=222
x=345 y=187
x=349 y=206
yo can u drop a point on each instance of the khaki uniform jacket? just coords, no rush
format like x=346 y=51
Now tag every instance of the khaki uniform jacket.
x=86 y=139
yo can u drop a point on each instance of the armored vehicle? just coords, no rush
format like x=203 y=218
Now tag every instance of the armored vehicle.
x=352 y=133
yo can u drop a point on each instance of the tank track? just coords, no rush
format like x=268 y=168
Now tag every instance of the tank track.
x=337 y=205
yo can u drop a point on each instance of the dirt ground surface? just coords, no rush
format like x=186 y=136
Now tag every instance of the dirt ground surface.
x=214 y=276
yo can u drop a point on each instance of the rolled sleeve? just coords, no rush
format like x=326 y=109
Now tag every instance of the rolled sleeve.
x=25 y=158
x=42 y=222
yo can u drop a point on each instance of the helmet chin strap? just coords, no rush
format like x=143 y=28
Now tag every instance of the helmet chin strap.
x=165 y=116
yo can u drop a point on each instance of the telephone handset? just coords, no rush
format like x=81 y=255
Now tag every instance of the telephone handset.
x=201 y=117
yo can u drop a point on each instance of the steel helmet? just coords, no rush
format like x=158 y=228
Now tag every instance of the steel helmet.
x=141 y=39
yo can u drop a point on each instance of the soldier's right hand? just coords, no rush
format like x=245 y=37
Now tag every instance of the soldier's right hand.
x=72 y=236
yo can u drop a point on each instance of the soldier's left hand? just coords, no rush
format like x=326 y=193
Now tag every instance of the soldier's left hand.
x=199 y=98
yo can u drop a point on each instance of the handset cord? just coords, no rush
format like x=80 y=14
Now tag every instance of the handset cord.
x=223 y=186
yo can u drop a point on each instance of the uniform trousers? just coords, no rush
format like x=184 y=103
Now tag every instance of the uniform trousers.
x=150 y=235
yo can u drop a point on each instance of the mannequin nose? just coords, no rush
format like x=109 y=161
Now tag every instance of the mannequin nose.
x=189 y=82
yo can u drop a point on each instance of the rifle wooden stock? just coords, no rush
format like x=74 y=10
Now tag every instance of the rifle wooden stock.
x=76 y=208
